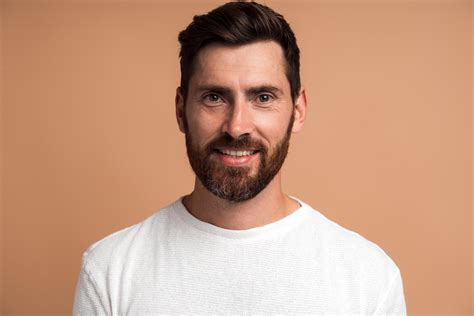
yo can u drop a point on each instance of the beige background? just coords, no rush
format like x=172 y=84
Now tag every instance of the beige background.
x=90 y=144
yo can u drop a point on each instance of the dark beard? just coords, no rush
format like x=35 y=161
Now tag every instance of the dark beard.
x=233 y=183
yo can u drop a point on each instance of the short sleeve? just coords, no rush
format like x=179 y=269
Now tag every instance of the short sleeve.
x=393 y=302
x=88 y=300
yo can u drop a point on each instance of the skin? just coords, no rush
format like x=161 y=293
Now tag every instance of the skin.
x=240 y=90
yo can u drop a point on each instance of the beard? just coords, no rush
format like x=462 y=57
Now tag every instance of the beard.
x=236 y=184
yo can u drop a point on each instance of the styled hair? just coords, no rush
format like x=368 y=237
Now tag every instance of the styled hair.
x=239 y=23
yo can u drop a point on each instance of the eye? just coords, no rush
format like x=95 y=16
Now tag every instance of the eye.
x=264 y=98
x=212 y=99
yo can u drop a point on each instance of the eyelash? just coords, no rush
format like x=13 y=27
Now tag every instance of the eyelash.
x=270 y=97
x=206 y=98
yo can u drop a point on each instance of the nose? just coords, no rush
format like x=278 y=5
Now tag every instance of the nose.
x=238 y=120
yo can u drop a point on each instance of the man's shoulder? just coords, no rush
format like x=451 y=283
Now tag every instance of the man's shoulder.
x=357 y=264
x=343 y=244
x=125 y=243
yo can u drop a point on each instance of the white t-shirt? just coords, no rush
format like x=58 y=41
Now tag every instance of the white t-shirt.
x=173 y=263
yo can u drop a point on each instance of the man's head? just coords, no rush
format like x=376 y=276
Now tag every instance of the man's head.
x=234 y=24
x=237 y=103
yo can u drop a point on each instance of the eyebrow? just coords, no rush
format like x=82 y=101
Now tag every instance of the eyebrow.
x=264 y=88
x=250 y=91
x=214 y=88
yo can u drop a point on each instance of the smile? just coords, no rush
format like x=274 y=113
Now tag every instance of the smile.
x=236 y=158
x=237 y=153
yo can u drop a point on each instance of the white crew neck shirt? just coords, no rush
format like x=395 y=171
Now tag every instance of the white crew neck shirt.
x=173 y=263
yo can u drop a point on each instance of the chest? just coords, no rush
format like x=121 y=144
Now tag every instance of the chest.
x=206 y=277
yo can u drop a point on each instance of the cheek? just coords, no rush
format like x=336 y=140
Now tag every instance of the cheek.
x=273 y=127
x=201 y=127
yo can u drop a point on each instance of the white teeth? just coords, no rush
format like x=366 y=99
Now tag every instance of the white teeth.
x=237 y=153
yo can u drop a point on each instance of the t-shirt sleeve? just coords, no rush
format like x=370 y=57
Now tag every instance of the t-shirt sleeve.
x=88 y=299
x=393 y=302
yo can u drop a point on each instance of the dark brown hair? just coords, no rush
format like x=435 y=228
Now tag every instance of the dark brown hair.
x=239 y=23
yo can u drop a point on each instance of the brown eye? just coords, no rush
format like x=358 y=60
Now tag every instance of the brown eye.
x=213 y=97
x=264 y=98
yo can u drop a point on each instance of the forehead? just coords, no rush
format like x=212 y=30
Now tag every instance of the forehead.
x=244 y=65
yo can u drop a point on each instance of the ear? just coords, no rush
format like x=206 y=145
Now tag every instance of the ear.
x=300 y=111
x=179 y=103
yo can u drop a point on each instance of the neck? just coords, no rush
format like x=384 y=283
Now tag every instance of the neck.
x=270 y=205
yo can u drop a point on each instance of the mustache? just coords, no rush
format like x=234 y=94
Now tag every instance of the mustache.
x=243 y=142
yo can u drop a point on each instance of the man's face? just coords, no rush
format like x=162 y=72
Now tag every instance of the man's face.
x=238 y=118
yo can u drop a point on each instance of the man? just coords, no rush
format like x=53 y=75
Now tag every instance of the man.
x=237 y=244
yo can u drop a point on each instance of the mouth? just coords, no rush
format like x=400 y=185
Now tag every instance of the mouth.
x=236 y=153
x=236 y=158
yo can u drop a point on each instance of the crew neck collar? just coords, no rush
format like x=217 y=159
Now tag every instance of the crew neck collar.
x=280 y=225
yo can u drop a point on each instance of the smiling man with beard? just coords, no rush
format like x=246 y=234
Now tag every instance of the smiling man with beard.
x=230 y=176
x=238 y=244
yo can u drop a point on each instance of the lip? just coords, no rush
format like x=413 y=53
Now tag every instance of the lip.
x=231 y=148
x=237 y=161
